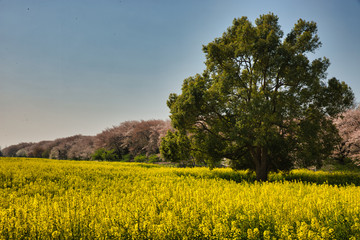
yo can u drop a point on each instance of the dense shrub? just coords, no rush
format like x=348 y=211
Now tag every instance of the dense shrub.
x=153 y=158
x=148 y=159
x=126 y=158
x=104 y=155
x=140 y=158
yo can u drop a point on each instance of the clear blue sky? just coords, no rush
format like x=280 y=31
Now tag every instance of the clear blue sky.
x=77 y=67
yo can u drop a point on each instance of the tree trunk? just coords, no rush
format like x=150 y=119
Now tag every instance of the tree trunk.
x=260 y=157
x=262 y=172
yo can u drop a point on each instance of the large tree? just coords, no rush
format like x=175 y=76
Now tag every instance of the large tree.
x=260 y=102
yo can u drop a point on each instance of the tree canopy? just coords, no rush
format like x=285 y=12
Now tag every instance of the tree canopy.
x=261 y=102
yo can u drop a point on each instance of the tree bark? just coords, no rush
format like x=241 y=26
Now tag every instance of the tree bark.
x=260 y=157
x=262 y=172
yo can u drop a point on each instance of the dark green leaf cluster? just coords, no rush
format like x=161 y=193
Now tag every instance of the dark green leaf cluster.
x=149 y=159
x=104 y=155
x=175 y=147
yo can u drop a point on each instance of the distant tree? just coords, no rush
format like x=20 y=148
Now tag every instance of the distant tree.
x=56 y=153
x=21 y=153
x=261 y=102
x=13 y=149
x=1 y=154
x=113 y=138
x=133 y=137
x=144 y=137
x=82 y=148
x=61 y=147
x=41 y=149
x=46 y=153
x=158 y=131
x=36 y=151
x=349 y=129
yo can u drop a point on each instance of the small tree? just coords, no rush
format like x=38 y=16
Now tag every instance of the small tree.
x=36 y=151
x=260 y=102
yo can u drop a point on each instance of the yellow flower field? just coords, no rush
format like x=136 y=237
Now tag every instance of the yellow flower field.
x=52 y=199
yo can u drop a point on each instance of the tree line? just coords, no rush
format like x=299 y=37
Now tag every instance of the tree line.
x=125 y=141
x=138 y=138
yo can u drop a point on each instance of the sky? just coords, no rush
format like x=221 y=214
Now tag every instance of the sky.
x=72 y=67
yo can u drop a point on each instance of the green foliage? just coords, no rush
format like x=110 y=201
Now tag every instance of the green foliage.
x=175 y=147
x=260 y=102
x=149 y=159
x=126 y=158
x=140 y=158
x=347 y=165
x=46 y=153
x=104 y=155
x=153 y=158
